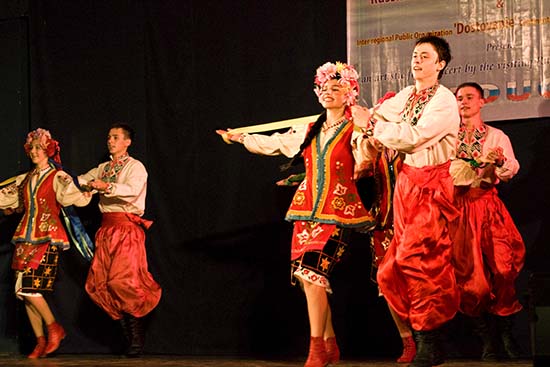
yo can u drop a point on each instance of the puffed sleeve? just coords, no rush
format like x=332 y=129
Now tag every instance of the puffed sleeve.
x=88 y=176
x=439 y=119
x=390 y=109
x=287 y=143
x=66 y=191
x=129 y=184
x=9 y=194
x=511 y=165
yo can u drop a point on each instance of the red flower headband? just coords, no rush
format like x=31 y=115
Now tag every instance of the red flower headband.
x=44 y=138
x=345 y=74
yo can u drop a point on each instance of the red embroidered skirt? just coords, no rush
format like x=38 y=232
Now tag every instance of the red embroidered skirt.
x=119 y=281
x=323 y=250
x=37 y=265
x=28 y=255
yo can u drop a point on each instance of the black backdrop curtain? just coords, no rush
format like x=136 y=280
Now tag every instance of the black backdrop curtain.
x=176 y=71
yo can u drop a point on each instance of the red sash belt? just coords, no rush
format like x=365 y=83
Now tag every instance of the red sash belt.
x=118 y=218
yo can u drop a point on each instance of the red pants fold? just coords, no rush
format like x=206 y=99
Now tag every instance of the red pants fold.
x=119 y=281
x=417 y=276
x=488 y=254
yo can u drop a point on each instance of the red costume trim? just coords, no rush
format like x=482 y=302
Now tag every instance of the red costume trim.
x=41 y=222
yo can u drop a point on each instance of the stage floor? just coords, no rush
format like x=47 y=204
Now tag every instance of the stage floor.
x=182 y=361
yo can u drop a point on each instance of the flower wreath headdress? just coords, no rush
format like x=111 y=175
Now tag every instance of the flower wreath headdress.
x=345 y=74
x=49 y=145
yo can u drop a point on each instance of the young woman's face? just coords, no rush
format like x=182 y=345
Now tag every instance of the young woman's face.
x=37 y=155
x=425 y=62
x=332 y=95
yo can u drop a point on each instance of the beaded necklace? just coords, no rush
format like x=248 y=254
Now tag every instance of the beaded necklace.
x=334 y=124
x=40 y=171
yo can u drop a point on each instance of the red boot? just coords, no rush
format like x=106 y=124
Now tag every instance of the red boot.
x=409 y=350
x=317 y=354
x=39 y=349
x=56 y=333
x=333 y=352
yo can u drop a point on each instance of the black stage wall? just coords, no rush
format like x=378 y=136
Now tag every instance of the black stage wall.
x=177 y=70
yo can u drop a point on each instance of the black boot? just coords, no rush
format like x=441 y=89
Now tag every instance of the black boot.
x=505 y=328
x=134 y=334
x=428 y=349
x=483 y=329
x=126 y=332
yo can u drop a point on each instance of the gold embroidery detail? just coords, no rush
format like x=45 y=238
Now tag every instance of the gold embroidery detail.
x=338 y=203
x=299 y=198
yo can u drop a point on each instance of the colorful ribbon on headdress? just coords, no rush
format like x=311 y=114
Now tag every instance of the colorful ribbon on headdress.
x=270 y=126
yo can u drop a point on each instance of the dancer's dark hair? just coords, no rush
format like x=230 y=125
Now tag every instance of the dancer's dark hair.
x=315 y=129
x=470 y=84
x=442 y=48
x=127 y=129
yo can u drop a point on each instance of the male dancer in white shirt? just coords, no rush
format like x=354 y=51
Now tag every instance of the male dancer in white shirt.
x=118 y=280
x=417 y=276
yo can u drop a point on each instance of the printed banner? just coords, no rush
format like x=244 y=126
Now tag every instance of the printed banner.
x=504 y=45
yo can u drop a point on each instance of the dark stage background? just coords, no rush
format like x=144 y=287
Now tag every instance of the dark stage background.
x=177 y=70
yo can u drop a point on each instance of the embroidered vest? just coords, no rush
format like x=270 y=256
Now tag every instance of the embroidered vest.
x=41 y=222
x=328 y=193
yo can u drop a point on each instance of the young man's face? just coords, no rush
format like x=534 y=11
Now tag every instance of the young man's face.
x=469 y=102
x=425 y=62
x=117 y=142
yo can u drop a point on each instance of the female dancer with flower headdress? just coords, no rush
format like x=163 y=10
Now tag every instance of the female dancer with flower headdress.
x=40 y=235
x=326 y=205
